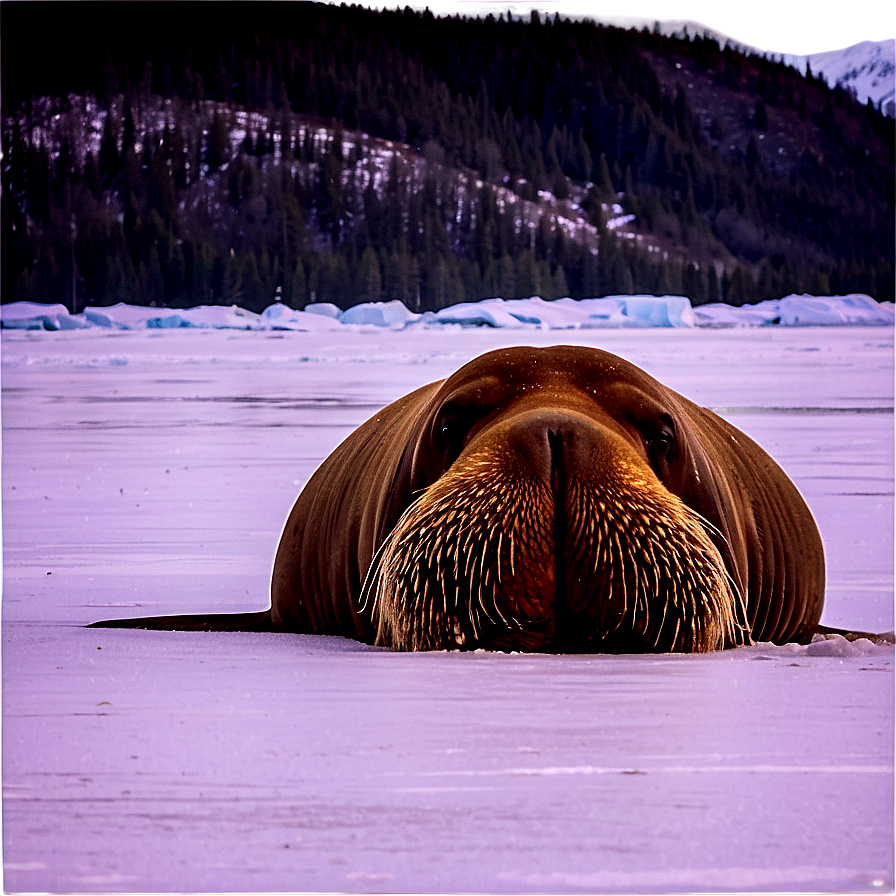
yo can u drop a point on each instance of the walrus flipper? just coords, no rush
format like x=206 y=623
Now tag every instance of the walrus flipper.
x=208 y=622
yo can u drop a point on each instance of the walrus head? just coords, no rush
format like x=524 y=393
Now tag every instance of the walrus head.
x=555 y=500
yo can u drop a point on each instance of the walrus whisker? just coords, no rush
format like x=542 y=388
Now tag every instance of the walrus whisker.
x=498 y=553
x=370 y=577
x=647 y=545
x=484 y=607
x=622 y=575
x=659 y=630
x=471 y=609
x=714 y=530
x=651 y=589
x=482 y=569
x=483 y=580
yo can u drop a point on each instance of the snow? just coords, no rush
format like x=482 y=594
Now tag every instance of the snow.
x=868 y=68
x=326 y=309
x=562 y=314
x=621 y=221
x=150 y=471
x=855 y=309
x=488 y=313
x=37 y=316
x=378 y=314
x=799 y=310
x=312 y=319
x=571 y=314
x=670 y=311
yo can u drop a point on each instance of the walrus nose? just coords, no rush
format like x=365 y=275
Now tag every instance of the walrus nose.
x=560 y=449
x=557 y=447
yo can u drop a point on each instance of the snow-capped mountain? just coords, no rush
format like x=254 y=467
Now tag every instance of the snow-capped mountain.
x=868 y=68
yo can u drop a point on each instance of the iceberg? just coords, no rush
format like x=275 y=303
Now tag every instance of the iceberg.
x=657 y=311
x=572 y=314
x=610 y=312
x=282 y=317
x=487 y=313
x=718 y=314
x=214 y=317
x=325 y=309
x=855 y=309
x=562 y=314
x=821 y=311
x=139 y=317
x=379 y=314
x=37 y=316
x=132 y=317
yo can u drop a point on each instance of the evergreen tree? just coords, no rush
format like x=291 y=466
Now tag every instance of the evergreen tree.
x=171 y=206
x=369 y=288
x=217 y=147
x=298 y=288
x=232 y=286
x=155 y=281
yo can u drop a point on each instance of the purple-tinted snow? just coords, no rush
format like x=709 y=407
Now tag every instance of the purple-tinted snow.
x=150 y=471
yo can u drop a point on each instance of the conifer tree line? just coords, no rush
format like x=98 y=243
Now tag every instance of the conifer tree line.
x=321 y=153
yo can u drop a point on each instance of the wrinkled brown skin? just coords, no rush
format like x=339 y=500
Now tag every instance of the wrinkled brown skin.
x=773 y=553
x=770 y=543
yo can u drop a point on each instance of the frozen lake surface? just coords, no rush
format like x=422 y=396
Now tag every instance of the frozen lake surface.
x=150 y=472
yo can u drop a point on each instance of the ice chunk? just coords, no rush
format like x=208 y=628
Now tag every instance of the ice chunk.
x=567 y=313
x=325 y=309
x=803 y=310
x=601 y=313
x=488 y=313
x=222 y=317
x=800 y=311
x=132 y=317
x=282 y=317
x=379 y=314
x=561 y=314
x=37 y=316
x=720 y=315
x=138 y=317
x=657 y=311
x=837 y=645
x=827 y=645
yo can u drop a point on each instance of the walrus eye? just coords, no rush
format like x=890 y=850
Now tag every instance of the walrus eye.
x=452 y=429
x=449 y=431
x=661 y=441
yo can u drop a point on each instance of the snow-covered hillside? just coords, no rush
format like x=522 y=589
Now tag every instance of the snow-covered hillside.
x=868 y=68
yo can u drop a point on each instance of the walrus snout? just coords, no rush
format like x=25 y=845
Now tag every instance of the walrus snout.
x=551 y=532
x=559 y=446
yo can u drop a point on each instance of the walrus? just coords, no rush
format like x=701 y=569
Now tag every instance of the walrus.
x=544 y=499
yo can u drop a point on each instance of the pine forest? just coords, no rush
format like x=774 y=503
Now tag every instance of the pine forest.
x=321 y=153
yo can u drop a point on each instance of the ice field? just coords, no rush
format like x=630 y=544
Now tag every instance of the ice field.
x=610 y=312
x=150 y=471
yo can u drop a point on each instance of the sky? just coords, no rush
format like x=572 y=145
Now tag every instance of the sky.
x=776 y=26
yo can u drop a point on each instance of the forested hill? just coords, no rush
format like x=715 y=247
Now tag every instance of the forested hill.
x=322 y=153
